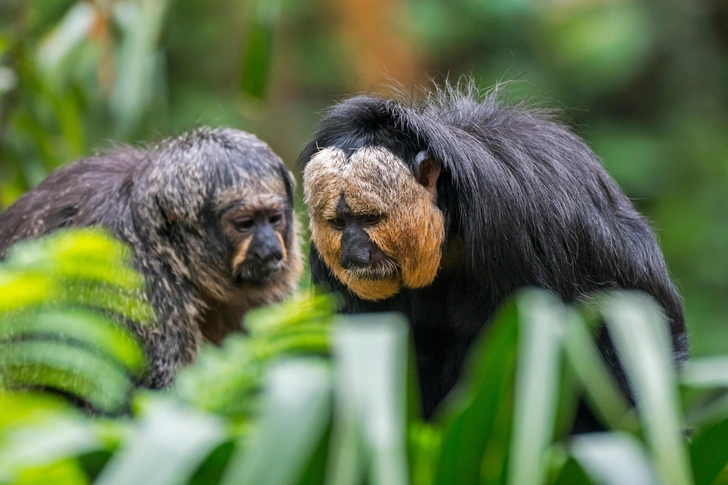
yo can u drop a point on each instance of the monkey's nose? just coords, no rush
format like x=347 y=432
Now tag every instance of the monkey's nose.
x=358 y=258
x=265 y=255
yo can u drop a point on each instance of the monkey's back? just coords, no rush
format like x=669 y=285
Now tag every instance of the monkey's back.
x=91 y=192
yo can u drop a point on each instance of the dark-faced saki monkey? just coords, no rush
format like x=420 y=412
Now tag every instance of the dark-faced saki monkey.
x=441 y=209
x=209 y=216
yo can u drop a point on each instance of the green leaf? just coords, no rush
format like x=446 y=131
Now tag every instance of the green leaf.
x=223 y=380
x=639 y=332
x=707 y=407
x=88 y=254
x=570 y=473
x=705 y=372
x=67 y=472
x=612 y=459
x=369 y=435
x=141 y=25
x=28 y=408
x=275 y=319
x=57 y=365
x=295 y=413
x=537 y=379
x=258 y=53
x=42 y=444
x=709 y=452
x=66 y=36
x=211 y=471
x=587 y=363
x=471 y=414
x=122 y=303
x=84 y=326
x=425 y=443
x=23 y=289
x=226 y=379
x=78 y=266
x=166 y=448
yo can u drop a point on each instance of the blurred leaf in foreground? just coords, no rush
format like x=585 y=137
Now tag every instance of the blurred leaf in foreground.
x=609 y=459
x=165 y=447
x=476 y=417
x=63 y=297
x=368 y=437
x=537 y=385
x=295 y=413
x=227 y=379
x=640 y=336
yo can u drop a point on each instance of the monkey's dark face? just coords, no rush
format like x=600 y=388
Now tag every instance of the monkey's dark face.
x=375 y=225
x=360 y=256
x=256 y=230
x=226 y=201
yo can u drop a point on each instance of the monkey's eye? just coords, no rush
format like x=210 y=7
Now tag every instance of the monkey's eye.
x=370 y=219
x=275 y=219
x=338 y=223
x=244 y=225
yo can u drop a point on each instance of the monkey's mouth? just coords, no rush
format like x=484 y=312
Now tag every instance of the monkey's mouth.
x=382 y=270
x=258 y=273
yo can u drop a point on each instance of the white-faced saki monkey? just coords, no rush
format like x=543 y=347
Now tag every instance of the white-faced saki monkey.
x=209 y=216
x=442 y=209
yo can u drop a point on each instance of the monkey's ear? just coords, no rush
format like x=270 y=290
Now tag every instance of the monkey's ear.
x=428 y=170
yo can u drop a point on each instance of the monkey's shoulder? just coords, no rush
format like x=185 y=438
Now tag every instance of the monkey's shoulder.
x=80 y=194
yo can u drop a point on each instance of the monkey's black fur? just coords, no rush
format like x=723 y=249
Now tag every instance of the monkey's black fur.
x=526 y=203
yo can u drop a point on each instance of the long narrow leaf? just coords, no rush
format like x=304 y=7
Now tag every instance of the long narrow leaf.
x=470 y=413
x=369 y=434
x=709 y=372
x=611 y=459
x=587 y=363
x=44 y=443
x=296 y=408
x=67 y=35
x=166 y=449
x=258 y=53
x=141 y=24
x=536 y=386
x=640 y=336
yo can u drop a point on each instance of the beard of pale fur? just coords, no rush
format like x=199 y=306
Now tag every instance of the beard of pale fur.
x=374 y=180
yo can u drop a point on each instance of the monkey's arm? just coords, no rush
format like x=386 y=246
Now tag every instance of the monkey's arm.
x=172 y=337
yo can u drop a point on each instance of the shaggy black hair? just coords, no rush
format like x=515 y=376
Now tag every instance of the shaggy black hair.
x=527 y=201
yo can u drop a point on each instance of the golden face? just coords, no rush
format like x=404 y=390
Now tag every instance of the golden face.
x=373 y=181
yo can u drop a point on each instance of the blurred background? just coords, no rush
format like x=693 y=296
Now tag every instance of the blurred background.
x=645 y=82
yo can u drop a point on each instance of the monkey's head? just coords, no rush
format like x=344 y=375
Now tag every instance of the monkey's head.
x=223 y=203
x=256 y=228
x=374 y=220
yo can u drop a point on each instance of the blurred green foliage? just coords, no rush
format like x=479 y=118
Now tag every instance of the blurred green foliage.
x=307 y=397
x=59 y=295
x=644 y=81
